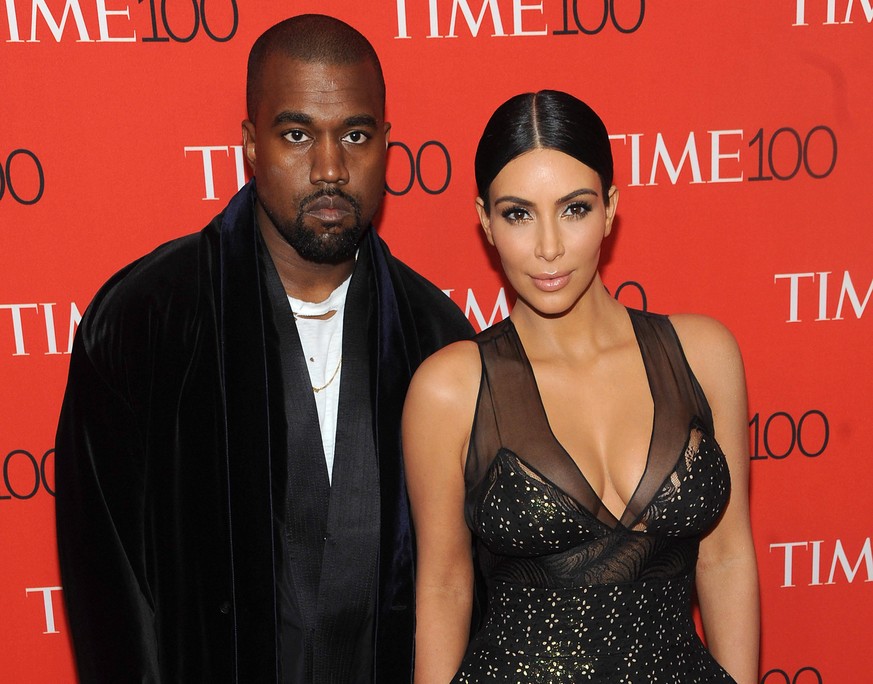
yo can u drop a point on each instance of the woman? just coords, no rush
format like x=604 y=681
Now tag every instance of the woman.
x=576 y=440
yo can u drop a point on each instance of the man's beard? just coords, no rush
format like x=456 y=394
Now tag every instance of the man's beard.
x=322 y=248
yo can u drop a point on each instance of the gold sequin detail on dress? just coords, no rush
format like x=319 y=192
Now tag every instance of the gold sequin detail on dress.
x=575 y=594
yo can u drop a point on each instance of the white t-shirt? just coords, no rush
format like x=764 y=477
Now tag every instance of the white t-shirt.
x=322 y=341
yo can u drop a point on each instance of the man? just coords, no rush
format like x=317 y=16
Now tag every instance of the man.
x=230 y=500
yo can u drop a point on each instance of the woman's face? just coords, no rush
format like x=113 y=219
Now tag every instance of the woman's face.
x=547 y=220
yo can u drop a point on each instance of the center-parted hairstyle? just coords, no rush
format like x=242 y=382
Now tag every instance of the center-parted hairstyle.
x=308 y=38
x=548 y=119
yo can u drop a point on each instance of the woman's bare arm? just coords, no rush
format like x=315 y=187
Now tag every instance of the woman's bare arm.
x=727 y=577
x=437 y=418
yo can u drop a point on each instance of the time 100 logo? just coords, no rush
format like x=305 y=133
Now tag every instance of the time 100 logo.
x=17 y=175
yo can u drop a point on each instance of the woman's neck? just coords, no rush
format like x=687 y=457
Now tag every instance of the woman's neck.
x=596 y=322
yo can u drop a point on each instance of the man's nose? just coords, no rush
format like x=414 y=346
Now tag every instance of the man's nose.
x=328 y=163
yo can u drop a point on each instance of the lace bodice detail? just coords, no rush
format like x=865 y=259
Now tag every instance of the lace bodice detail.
x=577 y=594
x=536 y=519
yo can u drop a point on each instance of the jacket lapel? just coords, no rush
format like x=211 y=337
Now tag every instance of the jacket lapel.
x=247 y=411
x=303 y=516
x=395 y=598
x=345 y=602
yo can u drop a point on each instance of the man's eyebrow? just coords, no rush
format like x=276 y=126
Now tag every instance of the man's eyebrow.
x=289 y=116
x=361 y=120
x=292 y=117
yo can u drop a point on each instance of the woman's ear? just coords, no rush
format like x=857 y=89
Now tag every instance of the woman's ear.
x=484 y=219
x=612 y=195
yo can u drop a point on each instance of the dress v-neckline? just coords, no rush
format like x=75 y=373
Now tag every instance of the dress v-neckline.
x=545 y=416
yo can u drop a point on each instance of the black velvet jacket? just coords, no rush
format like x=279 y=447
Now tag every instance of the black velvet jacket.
x=166 y=484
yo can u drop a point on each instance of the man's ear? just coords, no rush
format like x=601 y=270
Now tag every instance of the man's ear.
x=248 y=137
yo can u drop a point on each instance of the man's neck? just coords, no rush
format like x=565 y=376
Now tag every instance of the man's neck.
x=302 y=279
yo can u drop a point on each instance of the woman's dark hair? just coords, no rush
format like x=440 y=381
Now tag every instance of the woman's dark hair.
x=549 y=119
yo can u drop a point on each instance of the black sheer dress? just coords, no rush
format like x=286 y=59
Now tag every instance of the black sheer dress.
x=575 y=594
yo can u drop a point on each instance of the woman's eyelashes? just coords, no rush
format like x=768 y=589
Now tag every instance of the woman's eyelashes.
x=517 y=213
x=577 y=209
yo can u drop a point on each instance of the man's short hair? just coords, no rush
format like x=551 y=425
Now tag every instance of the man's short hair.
x=308 y=38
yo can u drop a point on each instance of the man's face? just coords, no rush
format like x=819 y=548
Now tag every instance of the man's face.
x=317 y=147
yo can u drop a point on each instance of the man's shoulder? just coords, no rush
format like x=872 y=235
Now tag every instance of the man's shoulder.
x=426 y=298
x=436 y=319
x=164 y=269
x=416 y=283
x=168 y=279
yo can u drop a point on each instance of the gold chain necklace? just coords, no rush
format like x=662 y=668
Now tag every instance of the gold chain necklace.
x=332 y=378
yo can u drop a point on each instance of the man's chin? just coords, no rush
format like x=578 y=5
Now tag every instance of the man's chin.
x=329 y=245
x=337 y=233
x=331 y=257
x=334 y=228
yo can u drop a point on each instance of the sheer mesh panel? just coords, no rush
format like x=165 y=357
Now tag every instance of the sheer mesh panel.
x=573 y=594
x=537 y=519
x=517 y=421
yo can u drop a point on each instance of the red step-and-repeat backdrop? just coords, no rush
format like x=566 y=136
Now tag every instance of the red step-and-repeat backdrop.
x=742 y=137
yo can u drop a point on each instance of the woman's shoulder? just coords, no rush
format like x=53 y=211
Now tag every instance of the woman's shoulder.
x=442 y=395
x=701 y=335
x=710 y=349
x=449 y=374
